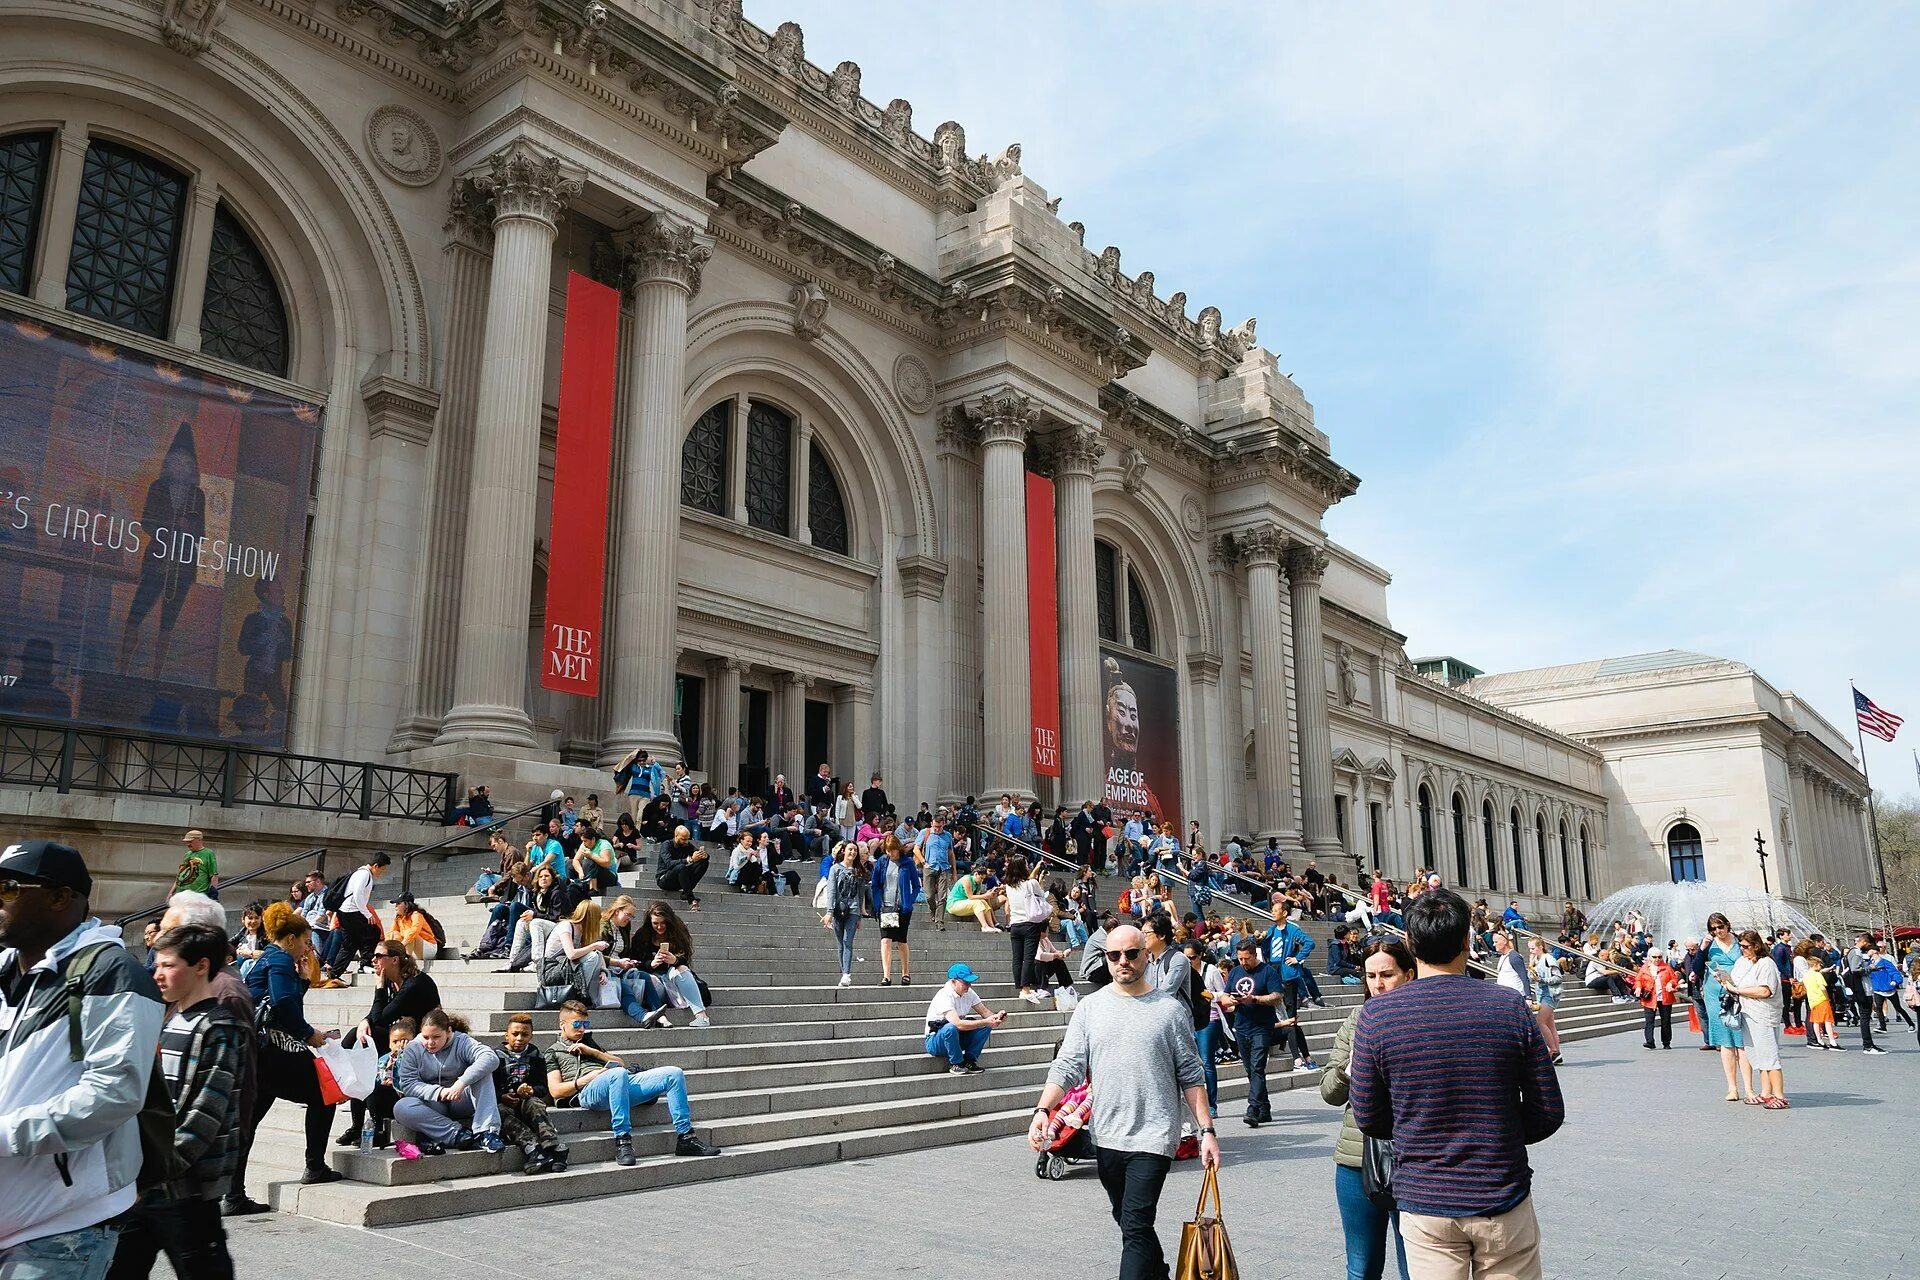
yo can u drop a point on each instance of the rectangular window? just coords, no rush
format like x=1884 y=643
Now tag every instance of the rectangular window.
x=1373 y=834
x=689 y=693
x=1340 y=819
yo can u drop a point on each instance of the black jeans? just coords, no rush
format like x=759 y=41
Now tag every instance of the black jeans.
x=291 y=1076
x=188 y=1231
x=1863 y=1003
x=1254 y=1042
x=1026 y=941
x=685 y=878
x=357 y=940
x=1665 y=1014
x=1290 y=996
x=1133 y=1180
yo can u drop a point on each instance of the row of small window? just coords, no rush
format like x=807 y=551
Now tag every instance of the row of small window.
x=1543 y=843
x=768 y=441
x=124 y=263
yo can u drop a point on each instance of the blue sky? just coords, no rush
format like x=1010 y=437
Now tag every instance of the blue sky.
x=1615 y=309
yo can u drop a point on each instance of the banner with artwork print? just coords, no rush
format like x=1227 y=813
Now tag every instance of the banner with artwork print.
x=153 y=529
x=1140 y=734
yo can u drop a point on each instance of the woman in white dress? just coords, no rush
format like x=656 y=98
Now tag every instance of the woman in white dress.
x=1756 y=980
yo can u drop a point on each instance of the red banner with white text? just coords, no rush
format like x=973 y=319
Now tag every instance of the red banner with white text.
x=582 y=462
x=1043 y=627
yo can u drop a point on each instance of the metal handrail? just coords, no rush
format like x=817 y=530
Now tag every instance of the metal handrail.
x=462 y=833
x=319 y=851
x=1551 y=946
x=1485 y=970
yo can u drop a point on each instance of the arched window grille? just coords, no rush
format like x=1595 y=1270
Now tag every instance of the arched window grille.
x=1106 y=590
x=1139 y=625
x=243 y=319
x=1459 y=840
x=1493 y=853
x=1426 y=827
x=1586 y=865
x=1519 y=852
x=826 y=507
x=1540 y=849
x=769 y=464
x=1566 y=860
x=126 y=239
x=703 y=461
x=23 y=180
x=1686 y=855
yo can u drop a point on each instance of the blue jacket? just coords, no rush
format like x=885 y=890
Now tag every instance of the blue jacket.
x=1289 y=946
x=909 y=884
x=274 y=978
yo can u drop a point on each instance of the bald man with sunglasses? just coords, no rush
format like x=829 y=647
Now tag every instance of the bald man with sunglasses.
x=1136 y=1044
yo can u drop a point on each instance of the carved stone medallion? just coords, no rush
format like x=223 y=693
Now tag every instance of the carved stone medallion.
x=913 y=382
x=1193 y=517
x=403 y=145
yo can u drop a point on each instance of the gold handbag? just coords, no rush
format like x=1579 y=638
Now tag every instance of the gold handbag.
x=1205 y=1253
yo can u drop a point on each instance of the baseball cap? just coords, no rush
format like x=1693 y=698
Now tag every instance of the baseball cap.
x=963 y=972
x=47 y=862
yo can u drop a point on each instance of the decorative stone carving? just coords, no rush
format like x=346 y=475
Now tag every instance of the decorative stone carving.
x=1243 y=336
x=1209 y=325
x=913 y=382
x=1143 y=288
x=1109 y=268
x=1192 y=518
x=403 y=145
x=1262 y=543
x=187 y=25
x=1349 y=682
x=1007 y=167
x=1306 y=562
x=843 y=86
x=1079 y=230
x=525 y=183
x=950 y=141
x=897 y=121
x=1077 y=448
x=788 y=53
x=469 y=216
x=1133 y=470
x=1003 y=415
x=810 y=304
x=662 y=247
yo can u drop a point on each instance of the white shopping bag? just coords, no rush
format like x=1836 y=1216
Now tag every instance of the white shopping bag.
x=353 y=1069
x=1066 y=999
x=606 y=994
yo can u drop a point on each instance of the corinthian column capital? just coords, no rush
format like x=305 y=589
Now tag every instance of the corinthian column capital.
x=661 y=248
x=1004 y=416
x=1264 y=544
x=1077 y=450
x=1306 y=562
x=469 y=216
x=526 y=182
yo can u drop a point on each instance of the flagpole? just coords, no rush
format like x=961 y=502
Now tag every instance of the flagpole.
x=1873 y=819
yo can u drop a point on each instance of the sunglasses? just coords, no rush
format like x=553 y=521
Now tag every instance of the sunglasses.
x=11 y=889
x=1128 y=956
x=579 y=1023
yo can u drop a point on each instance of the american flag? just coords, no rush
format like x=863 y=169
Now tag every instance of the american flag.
x=1881 y=723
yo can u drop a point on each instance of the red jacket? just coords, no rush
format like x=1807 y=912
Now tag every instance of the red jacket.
x=1658 y=987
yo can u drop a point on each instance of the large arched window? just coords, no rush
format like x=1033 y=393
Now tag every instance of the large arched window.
x=1686 y=858
x=1540 y=850
x=1459 y=840
x=1106 y=591
x=1566 y=860
x=23 y=179
x=126 y=239
x=703 y=461
x=1519 y=851
x=242 y=319
x=826 y=507
x=1493 y=852
x=1426 y=827
x=1586 y=865
x=769 y=464
x=1139 y=625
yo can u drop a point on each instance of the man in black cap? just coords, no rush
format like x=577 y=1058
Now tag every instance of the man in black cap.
x=69 y=1089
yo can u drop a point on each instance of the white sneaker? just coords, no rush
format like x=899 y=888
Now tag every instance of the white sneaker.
x=846 y=979
x=701 y=1022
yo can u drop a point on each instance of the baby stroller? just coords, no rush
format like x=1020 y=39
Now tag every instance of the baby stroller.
x=1073 y=1136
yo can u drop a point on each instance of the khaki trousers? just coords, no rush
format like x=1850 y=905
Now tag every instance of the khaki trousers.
x=1505 y=1247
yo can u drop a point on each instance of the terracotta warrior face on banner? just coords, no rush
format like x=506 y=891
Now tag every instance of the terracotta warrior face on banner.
x=1123 y=724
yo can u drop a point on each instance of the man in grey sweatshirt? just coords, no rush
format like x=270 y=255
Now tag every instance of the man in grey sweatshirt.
x=1136 y=1045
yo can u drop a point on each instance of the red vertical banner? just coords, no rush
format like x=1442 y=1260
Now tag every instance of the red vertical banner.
x=582 y=465
x=1043 y=627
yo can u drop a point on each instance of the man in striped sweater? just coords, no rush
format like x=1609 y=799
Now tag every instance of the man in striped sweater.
x=1455 y=1072
x=202 y=1049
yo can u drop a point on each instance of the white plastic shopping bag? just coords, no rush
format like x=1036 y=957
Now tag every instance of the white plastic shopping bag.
x=352 y=1069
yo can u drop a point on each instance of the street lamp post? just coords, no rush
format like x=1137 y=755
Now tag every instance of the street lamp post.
x=1760 y=844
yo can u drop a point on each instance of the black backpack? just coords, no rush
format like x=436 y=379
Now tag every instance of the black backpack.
x=439 y=930
x=1197 y=1000
x=160 y=1163
x=336 y=895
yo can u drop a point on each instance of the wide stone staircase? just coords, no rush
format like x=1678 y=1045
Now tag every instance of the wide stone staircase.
x=795 y=1071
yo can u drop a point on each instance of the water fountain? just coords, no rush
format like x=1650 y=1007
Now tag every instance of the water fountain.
x=1681 y=910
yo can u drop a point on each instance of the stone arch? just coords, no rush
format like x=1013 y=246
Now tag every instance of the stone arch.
x=1174 y=589
x=744 y=340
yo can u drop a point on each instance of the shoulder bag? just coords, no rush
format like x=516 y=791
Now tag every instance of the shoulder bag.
x=1376 y=1170
x=1205 y=1253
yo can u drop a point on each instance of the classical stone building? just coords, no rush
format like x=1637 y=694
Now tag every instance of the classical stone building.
x=844 y=344
x=1702 y=755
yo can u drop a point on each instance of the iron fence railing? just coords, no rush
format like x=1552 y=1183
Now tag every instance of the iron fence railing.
x=68 y=758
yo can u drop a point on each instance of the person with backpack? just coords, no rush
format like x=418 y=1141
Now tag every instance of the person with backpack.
x=202 y=1052
x=350 y=898
x=82 y=1021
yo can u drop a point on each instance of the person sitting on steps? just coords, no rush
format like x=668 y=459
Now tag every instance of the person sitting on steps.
x=445 y=1077
x=682 y=863
x=520 y=1083
x=581 y=1073
x=959 y=1022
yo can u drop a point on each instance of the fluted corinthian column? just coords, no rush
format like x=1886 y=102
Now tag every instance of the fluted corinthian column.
x=1797 y=867
x=1272 y=768
x=1004 y=420
x=664 y=260
x=723 y=756
x=490 y=672
x=1306 y=565
x=1075 y=454
x=791 y=689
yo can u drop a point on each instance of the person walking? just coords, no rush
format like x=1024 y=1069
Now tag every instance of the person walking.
x=843 y=892
x=1655 y=984
x=895 y=890
x=1384 y=966
x=1546 y=993
x=1723 y=1030
x=1254 y=988
x=1461 y=1176
x=1210 y=1036
x=1853 y=976
x=1137 y=1043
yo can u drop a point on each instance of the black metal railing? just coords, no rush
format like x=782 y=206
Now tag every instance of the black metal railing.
x=318 y=854
x=497 y=822
x=68 y=758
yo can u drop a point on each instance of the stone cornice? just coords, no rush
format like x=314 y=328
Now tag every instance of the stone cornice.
x=399 y=408
x=921 y=577
x=1009 y=295
x=1509 y=718
x=1235 y=459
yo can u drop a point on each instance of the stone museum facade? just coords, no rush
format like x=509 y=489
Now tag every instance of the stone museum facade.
x=844 y=344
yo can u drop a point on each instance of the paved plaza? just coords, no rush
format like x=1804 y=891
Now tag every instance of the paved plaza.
x=1621 y=1191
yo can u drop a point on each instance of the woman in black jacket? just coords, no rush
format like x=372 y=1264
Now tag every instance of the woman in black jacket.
x=626 y=843
x=403 y=992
